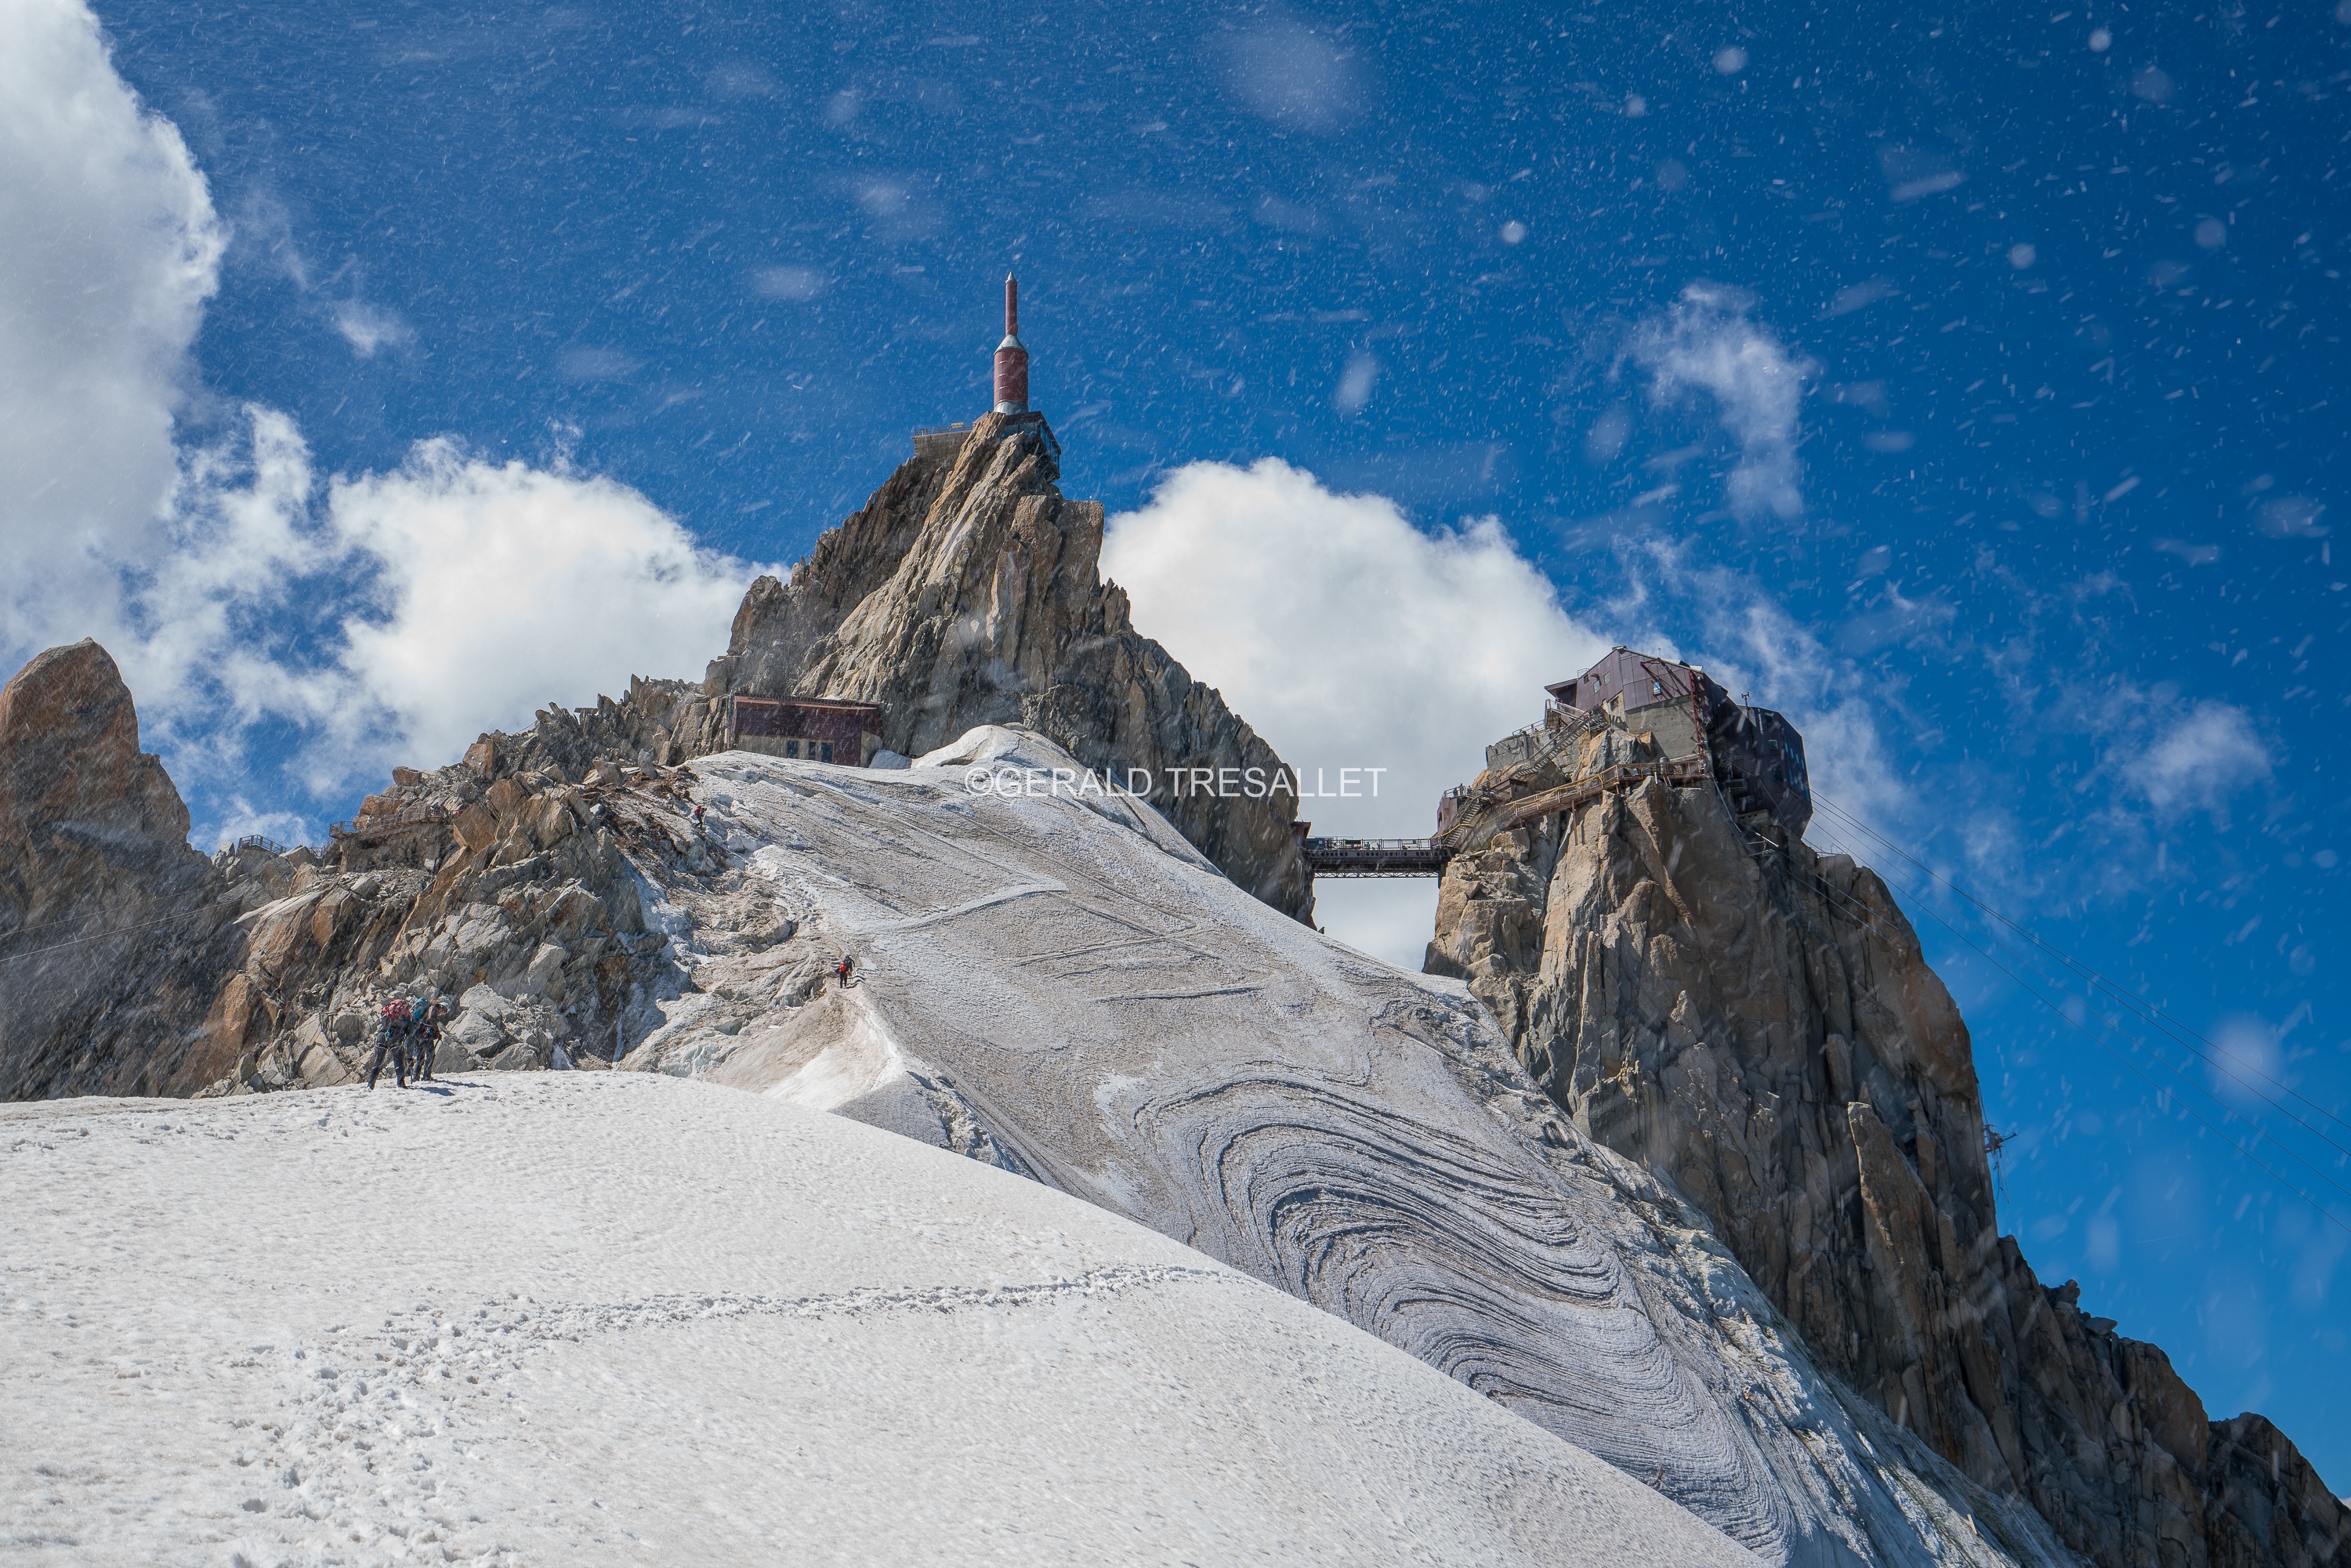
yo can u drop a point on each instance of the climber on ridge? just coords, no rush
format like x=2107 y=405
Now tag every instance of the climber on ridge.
x=842 y=970
x=427 y=1041
x=391 y=1043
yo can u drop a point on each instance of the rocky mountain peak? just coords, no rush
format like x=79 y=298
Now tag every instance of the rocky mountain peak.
x=969 y=591
x=1756 y=1024
x=110 y=925
x=72 y=778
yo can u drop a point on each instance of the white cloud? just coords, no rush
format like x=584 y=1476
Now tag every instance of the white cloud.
x=1858 y=296
x=2245 y=1062
x=1295 y=77
x=236 y=542
x=592 y=364
x=897 y=211
x=1607 y=436
x=499 y=587
x=795 y=283
x=367 y=328
x=2202 y=756
x=1708 y=340
x=2160 y=757
x=1349 y=639
x=391 y=616
x=109 y=248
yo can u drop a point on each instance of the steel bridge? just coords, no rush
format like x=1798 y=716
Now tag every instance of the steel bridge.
x=1483 y=816
x=1377 y=857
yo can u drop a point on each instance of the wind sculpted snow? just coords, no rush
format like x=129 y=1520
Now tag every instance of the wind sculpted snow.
x=1048 y=979
x=602 y=1319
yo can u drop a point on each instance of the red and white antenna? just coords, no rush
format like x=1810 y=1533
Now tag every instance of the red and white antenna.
x=1011 y=358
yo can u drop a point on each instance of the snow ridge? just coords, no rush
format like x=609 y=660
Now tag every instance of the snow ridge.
x=617 y=1318
x=1138 y=1031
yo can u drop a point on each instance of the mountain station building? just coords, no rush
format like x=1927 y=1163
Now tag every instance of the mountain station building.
x=808 y=729
x=1758 y=755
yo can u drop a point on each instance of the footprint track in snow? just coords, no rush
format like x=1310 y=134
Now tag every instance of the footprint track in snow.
x=379 y=1417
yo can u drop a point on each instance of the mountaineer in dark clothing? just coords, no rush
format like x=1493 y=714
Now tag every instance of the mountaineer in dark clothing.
x=843 y=970
x=391 y=1043
x=426 y=1031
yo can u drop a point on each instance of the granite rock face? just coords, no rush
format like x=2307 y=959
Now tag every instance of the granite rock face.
x=1756 y=1024
x=510 y=885
x=969 y=591
x=113 y=932
x=505 y=885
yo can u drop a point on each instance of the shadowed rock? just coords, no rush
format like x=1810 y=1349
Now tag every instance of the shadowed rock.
x=113 y=935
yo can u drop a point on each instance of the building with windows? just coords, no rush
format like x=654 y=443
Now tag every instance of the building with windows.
x=807 y=729
x=1758 y=756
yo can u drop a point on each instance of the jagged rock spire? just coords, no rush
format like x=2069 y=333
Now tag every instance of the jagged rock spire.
x=970 y=592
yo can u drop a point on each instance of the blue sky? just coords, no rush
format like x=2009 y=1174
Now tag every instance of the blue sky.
x=1966 y=381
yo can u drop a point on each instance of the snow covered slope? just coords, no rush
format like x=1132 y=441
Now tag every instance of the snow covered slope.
x=594 y=1318
x=1056 y=984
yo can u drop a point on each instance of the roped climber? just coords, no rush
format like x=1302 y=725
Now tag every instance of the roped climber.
x=427 y=1029
x=391 y=1042
x=842 y=971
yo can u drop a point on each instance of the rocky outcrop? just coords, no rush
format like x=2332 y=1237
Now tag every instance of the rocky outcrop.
x=967 y=591
x=2265 y=1503
x=1756 y=1024
x=513 y=885
x=114 y=934
x=520 y=893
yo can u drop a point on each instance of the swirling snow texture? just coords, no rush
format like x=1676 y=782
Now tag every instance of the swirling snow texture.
x=598 y=1318
x=1129 y=1027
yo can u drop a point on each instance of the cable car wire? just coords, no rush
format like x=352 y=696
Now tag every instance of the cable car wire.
x=1864 y=914
x=2172 y=1028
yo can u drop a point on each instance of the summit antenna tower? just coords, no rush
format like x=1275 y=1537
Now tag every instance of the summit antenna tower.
x=1011 y=358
